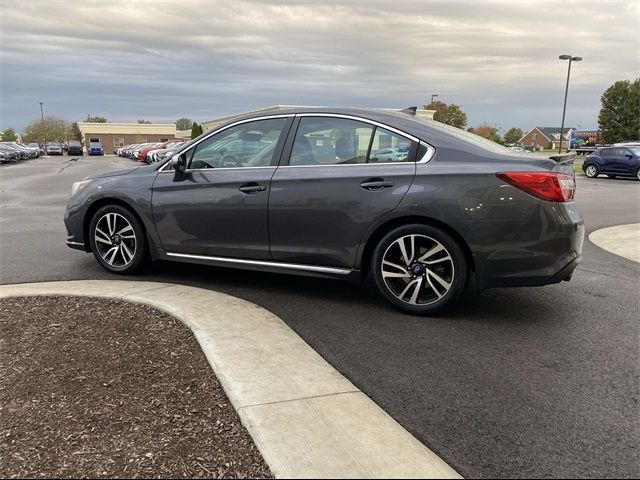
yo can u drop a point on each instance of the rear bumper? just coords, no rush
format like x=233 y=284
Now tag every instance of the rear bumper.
x=542 y=249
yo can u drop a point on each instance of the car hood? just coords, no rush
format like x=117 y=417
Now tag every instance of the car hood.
x=116 y=173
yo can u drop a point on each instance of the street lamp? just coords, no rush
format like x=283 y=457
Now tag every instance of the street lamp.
x=43 y=129
x=566 y=91
x=433 y=95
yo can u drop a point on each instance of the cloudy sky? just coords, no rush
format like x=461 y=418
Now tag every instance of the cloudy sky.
x=161 y=60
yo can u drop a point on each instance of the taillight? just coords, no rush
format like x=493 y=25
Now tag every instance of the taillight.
x=555 y=187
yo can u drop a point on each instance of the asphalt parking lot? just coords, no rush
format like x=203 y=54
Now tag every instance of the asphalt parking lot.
x=511 y=383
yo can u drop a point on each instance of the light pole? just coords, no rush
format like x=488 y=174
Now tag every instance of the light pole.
x=566 y=91
x=433 y=95
x=43 y=129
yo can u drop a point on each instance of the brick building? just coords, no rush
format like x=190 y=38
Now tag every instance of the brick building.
x=115 y=135
x=545 y=137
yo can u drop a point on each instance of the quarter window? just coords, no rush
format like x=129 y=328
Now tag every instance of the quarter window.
x=251 y=144
x=389 y=147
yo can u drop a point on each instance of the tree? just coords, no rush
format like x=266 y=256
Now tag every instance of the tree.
x=513 y=135
x=143 y=121
x=9 y=135
x=52 y=129
x=75 y=134
x=450 y=114
x=196 y=130
x=488 y=132
x=619 y=117
x=91 y=119
x=184 y=123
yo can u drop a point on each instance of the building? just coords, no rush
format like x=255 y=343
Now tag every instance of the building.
x=115 y=135
x=545 y=137
x=211 y=124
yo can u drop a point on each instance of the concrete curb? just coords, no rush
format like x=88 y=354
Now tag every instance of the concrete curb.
x=623 y=240
x=307 y=420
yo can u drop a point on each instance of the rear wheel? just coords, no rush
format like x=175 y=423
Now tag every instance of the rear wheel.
x=117 y=239
x=419 y=268
x=591 y=171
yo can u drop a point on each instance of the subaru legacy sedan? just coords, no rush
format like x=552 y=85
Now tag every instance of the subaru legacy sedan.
x=306 y=197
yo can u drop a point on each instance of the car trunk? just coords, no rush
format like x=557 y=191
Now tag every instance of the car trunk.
x=565 y=163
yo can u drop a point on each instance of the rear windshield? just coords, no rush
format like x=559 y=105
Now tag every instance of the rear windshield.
x=469 y=137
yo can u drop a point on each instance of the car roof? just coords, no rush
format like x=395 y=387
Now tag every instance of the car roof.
x=434 y=133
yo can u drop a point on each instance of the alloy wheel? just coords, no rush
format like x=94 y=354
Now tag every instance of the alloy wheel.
x=591 y=171
x=417 y=269
x=115 y=240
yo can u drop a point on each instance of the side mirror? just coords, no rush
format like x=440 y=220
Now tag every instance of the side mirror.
x=180 y=167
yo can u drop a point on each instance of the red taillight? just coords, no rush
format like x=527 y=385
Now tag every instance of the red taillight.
x=555 y=187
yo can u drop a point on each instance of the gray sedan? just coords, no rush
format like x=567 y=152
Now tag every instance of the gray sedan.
x=312 y=195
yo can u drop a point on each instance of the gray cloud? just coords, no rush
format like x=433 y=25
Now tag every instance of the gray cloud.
x=160 y=60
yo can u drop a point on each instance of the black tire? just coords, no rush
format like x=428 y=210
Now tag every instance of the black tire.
x=130 y=256
x=638 y=173
x=591 y=170
x=432 y=296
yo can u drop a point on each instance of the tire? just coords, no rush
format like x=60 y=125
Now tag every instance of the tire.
x=419 y=288
x=591 y=170
x=119 y=229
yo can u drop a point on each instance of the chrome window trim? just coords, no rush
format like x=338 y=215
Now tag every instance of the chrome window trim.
x=264 y=263
x=221 y=129
x=425 y=158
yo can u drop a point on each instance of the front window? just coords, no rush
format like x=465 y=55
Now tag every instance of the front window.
x=250 y=144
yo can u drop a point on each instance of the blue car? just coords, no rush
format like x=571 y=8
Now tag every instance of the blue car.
x=95 y=148
x=613 y=161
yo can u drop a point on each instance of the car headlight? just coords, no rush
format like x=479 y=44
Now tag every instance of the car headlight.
x=77 y=186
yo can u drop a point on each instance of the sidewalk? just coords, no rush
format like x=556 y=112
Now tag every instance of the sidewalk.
x=623 y=240
x=307 y=420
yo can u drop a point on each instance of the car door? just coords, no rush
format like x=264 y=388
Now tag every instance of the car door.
x=622 y=163
x=220 y=207
x=327 y=191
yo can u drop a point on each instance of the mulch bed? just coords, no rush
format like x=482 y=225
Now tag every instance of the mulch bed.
x=103 y=388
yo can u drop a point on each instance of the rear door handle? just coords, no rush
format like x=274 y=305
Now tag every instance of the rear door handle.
x=252 y=188
x=376 y=184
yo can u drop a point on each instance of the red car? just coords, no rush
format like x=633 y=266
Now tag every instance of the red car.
x=142 y=157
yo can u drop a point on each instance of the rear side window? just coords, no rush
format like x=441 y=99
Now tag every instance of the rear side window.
x=340 y=141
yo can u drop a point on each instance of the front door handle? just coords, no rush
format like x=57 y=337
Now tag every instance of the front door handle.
x=252 y=188
x=376 y=184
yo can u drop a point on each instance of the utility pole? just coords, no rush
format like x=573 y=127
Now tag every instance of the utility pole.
x=43 y=129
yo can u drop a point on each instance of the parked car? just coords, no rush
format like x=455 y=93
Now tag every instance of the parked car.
x=389 y=155
x=22 y=153
x=142 y=157
x=75 y=148
x=520 y=150
x=54 y=148
x=36 y=146
x=621 y=161
x=95 y=148
x=30 y=152
x=9 y=154
x=458 y=208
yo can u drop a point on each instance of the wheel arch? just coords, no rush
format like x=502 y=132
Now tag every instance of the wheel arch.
x=364 y=259
x=101 y=202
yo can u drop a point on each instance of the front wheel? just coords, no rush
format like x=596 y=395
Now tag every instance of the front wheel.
x=419 y=268
x=591 y=171
x=117 y=239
